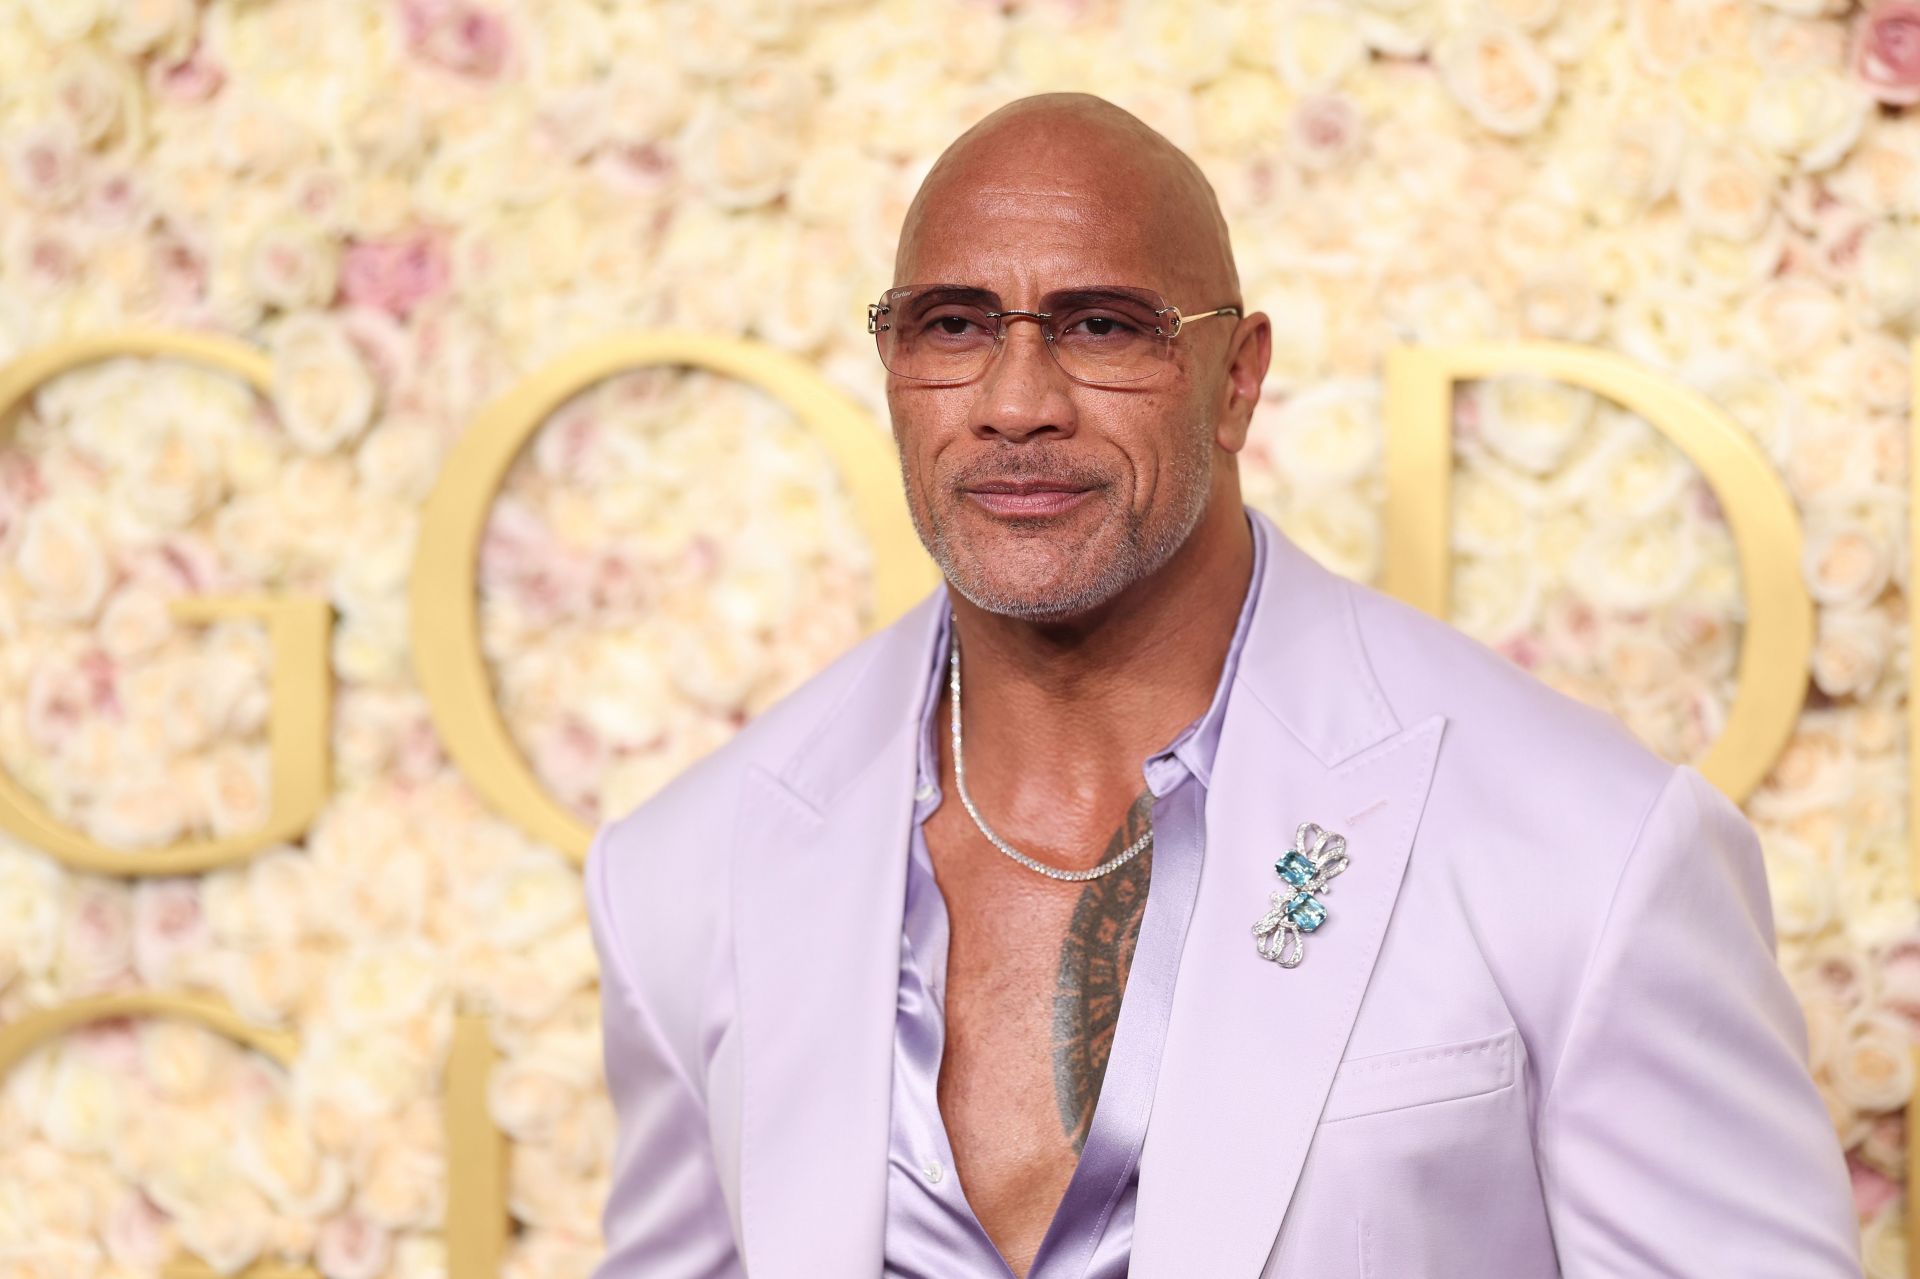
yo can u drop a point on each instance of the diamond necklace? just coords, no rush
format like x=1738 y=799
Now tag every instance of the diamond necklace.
x=1118 y=860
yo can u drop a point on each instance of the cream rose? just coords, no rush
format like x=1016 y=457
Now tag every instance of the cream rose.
x=1498 y=75
x=61 y=562
x=1852 y=650
x=1873 y=1064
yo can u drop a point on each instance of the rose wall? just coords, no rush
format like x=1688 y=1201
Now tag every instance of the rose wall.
x=409 y=206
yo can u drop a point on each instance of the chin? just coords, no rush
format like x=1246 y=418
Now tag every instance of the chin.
x=1049 y=600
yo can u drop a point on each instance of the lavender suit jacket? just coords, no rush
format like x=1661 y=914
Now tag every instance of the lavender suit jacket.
x=1542 y=1033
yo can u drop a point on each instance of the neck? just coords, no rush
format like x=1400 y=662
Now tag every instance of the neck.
x=1064 y=713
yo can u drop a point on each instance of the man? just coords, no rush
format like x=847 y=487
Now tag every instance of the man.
x=984 y=952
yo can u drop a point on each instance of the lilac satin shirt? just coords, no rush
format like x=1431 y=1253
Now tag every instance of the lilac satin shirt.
x=931 y=1232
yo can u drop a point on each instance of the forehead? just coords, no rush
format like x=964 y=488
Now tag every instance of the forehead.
x=1018 y=234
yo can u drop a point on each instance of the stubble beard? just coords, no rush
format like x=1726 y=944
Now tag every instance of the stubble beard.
x=1144 y=549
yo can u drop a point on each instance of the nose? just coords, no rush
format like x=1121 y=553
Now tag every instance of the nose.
x=1024 y=391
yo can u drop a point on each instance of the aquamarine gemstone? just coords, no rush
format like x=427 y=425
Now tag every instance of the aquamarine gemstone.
x=1294 y=868
x=1305 y=912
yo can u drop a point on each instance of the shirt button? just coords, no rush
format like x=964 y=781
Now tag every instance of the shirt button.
x=933 y=1171
x=925 y=792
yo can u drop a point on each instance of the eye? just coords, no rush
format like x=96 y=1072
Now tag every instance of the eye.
x=952 y=325
x=1096 y=325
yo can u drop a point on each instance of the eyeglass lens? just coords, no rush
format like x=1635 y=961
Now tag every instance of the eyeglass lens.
x=947 y=334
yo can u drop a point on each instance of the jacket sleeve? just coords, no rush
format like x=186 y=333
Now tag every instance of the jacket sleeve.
x=1681 y=1134
x=665 y=1217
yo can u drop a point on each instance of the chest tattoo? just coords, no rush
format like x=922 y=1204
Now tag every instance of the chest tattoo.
x=1095 y=958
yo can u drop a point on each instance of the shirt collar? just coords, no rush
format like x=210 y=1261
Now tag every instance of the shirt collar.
x=1190 y=752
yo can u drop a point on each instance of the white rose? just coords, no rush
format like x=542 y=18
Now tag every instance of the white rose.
x=85 y=1105
x=1810 y=117
x=1185 y=42
x=1636 y=473
x=384 y=986
x=1338 y=528
x=1532 y=423
x=1316 y=44
x=32 y=892
x=162 y=29
x=1641 y=565
x=135 y=622
x=1495 y=599
x=1560 y=302
x=1800 y=886
x=1887 y=272
x=64 y=21
x=100 y=96
x=1498 y=75
x=365 y=1075
x=323 y=390
x=1488 y=520
x=1328 y=434
x=528 y=898
x=737 y=160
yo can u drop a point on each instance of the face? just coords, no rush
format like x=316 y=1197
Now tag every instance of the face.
x=1041 y=497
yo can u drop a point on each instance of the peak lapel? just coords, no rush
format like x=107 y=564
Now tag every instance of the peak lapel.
x=821 y=877
x=1251 y=1047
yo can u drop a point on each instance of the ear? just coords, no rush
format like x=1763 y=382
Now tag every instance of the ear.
x=1249 y=351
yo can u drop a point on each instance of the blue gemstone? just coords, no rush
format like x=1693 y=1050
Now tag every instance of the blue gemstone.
x=1294 y=868
x=1305 y=912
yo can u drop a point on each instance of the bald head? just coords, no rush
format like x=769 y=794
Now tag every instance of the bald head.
x=1100 y=172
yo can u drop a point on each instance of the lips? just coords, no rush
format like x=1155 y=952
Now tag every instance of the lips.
x=1029 y=498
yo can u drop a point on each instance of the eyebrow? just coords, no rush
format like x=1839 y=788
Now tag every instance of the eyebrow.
x=939 y=293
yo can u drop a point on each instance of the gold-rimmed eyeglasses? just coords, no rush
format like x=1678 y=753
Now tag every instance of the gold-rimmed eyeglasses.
x=1099 y=334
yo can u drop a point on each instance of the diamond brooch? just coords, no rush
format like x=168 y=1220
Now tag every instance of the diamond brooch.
x=1317 y=856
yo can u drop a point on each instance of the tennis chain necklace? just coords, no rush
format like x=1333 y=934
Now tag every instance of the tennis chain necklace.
x=1118 y=860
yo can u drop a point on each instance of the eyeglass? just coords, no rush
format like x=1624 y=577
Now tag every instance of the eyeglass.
x=1101 y=334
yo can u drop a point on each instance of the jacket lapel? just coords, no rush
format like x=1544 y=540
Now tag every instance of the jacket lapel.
x=820 y=866
x=1251 y=1047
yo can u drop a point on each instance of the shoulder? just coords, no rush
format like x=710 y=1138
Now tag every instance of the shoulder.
x=1499 y=715
x=1530 y=782
x=658 y=875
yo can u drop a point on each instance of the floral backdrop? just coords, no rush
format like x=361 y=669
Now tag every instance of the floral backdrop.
x=411 y=204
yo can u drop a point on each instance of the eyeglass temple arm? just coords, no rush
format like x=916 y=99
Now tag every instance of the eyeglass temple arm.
x=1180 y=321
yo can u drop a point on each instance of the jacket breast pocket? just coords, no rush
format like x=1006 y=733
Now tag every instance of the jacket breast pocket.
x=1422 y=1076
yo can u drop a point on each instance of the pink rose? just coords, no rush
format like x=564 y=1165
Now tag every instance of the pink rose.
x=168 y=924
x=394 y=275
x=194 y=78
x=1326 y=131
x=462 y=37
x=1872 y=1189
x=1886 y=51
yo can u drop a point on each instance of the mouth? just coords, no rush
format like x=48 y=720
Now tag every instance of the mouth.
x=1028 y=499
